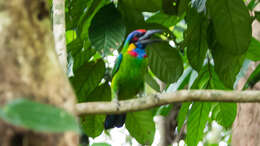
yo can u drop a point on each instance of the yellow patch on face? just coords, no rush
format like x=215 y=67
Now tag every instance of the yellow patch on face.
x=131 y=47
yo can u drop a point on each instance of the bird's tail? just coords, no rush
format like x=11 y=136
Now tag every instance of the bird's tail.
x=114 y=121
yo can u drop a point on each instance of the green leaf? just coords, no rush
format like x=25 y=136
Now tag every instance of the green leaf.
x=164 y=110
x=197 y=120
x=252 y=4
x=196 y=38
x=224 y=113
x=163 y=19
x=144 y=5
x=257 y=15
x=107 y=30
x=38 y=117
x=170 y=6
x=183 y=114
x=87 y=16
x=151 y=82
x=165 y=62
x=183 y=5
x=74 y=10
x=182 y=81
x=141 y=126
x=232 y=24
x=93 y=125
x=87 y=78
x=100 y=144
x=133 y=19
x=227 y=66
x=253 y=78
x=253 y=52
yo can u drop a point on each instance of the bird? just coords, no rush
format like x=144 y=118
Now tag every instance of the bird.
x=129 y=70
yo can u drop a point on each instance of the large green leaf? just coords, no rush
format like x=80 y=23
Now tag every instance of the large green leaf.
x=107 y=30
x=182 y=81
x=163 y=19
x=227 y=66
x=224 y=113
x=74 y=10
x=197 y=120
x=144 y=5
x=93 y=125
x=87 y=16
x=253 y=78
x=232 y=24
x=253 y=52
x=183 y=114
x=38 y=117
x=141 y=126
x=165 y=62
x=196 y=38
x=87 y=78
x=133 y=19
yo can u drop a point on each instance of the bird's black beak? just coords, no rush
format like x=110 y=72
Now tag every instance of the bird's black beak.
x=145 y=39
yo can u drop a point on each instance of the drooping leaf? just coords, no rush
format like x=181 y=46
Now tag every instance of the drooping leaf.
x=183 y=114
x=165 y=62
x=87 y=17
x=253 y=78
x=164 y=19
x=87 y=78
x=93 y=125
x=151 y=82
x=253 y=52
x=141 y=126
x=227 y=66
x=144 y=5
x=197 y=120
x=232 y=24
x=133 y=19
x=38 y=117
x=196 y=38
x=252 y=4
x=74 y=10
x=182 y=81
x=224 y=113
x=107 y=30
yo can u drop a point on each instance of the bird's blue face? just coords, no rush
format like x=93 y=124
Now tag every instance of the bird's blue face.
x=140 y=37
x=134 y=36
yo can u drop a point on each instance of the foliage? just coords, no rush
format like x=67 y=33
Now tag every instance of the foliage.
x=38 y=117
x=212 y=38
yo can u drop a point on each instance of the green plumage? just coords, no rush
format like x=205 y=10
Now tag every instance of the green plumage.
x=128 y=78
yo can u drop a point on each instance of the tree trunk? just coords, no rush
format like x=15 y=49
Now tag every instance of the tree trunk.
x=30 y=69
x=246 y=128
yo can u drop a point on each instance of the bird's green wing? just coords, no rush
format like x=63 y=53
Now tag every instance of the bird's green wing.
x=117 y=64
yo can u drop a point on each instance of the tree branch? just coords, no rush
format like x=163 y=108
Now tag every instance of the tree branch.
x=166 y=98
x=59 y=31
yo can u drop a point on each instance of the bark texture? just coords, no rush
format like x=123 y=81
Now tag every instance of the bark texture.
x=30 y=69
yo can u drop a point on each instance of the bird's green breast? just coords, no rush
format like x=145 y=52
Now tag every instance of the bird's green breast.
x=129 y=80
